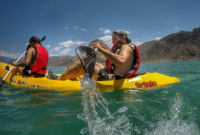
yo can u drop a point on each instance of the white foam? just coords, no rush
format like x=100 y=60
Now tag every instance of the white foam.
x=96 y=114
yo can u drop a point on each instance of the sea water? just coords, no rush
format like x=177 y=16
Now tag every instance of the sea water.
x=173 y=109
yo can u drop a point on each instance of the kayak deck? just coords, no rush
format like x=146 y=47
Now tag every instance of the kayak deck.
x=140 y=81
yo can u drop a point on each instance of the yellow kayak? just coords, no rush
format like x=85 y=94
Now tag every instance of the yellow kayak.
x=141 y=81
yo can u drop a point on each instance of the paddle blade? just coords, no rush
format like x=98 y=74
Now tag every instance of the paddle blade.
x=43 y=38
x=88 y=57
x=1 y=83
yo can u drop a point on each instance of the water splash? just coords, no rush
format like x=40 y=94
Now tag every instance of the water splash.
x=175 y=124
x=96 y=114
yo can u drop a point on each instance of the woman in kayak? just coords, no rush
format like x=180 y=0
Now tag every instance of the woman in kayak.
x=123 y=61
x=35 y=61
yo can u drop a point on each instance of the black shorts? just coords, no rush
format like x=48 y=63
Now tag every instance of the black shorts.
x=26 y=73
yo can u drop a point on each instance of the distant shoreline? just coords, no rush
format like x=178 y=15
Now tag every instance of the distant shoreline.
x=177 y=60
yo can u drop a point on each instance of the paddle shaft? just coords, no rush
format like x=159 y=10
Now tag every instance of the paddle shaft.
x=13 y=66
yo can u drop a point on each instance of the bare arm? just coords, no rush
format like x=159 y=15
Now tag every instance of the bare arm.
x=30 y=53
x=119 y=59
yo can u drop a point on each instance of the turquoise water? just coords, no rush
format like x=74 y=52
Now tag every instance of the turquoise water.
x=173 y=109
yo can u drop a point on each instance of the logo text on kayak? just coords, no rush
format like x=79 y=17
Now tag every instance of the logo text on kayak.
x=146 y=84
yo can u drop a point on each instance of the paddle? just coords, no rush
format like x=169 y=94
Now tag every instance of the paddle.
x=87 y=57
x=1 y=83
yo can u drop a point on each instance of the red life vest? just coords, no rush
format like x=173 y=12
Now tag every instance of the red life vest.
x=136 y=63
x=41 y=61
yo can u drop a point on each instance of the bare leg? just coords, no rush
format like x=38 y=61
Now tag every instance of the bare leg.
x=77 y=70
x=18 y=70
x=73 y=71
x=97 y=67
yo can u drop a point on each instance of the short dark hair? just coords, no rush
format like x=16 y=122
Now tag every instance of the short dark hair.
x=32 y=41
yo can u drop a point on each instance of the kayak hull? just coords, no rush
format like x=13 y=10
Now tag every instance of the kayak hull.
x=145 y=80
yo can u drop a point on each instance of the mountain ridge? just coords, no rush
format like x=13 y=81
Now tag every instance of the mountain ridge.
x=184 y=45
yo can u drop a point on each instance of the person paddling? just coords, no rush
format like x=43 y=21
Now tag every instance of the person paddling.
x=35 y=61
x=123 y=61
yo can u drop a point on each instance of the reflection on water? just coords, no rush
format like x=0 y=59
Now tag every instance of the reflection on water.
x=19 y=97
x=96 y=114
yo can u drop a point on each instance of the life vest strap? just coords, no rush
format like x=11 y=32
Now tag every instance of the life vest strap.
x=136 y=63
x=43 y=68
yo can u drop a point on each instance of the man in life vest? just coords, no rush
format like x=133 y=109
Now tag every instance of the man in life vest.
x=122 y=61
x=35 y=62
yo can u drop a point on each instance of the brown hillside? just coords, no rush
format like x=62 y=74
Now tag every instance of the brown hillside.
x=183 y=45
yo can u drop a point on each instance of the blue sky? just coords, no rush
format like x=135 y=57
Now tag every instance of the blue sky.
x=70 y=23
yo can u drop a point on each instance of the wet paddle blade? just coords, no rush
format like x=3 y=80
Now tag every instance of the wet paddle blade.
x=88 y=57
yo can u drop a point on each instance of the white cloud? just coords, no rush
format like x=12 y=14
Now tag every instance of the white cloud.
x=101 y=29
x=105 y=31
x=47 y=46
x=176 y=28
x=137 y=42
x=83 y=29
x=75 y=27
x=80 y=42
x=56 y=48
x=128 y=32
x=51 y=54
x=65 y=47
x=66 y=44
x=107 y=40
x=69 y=43
x=66 y=28
x=65 y=51
x=157 y=38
